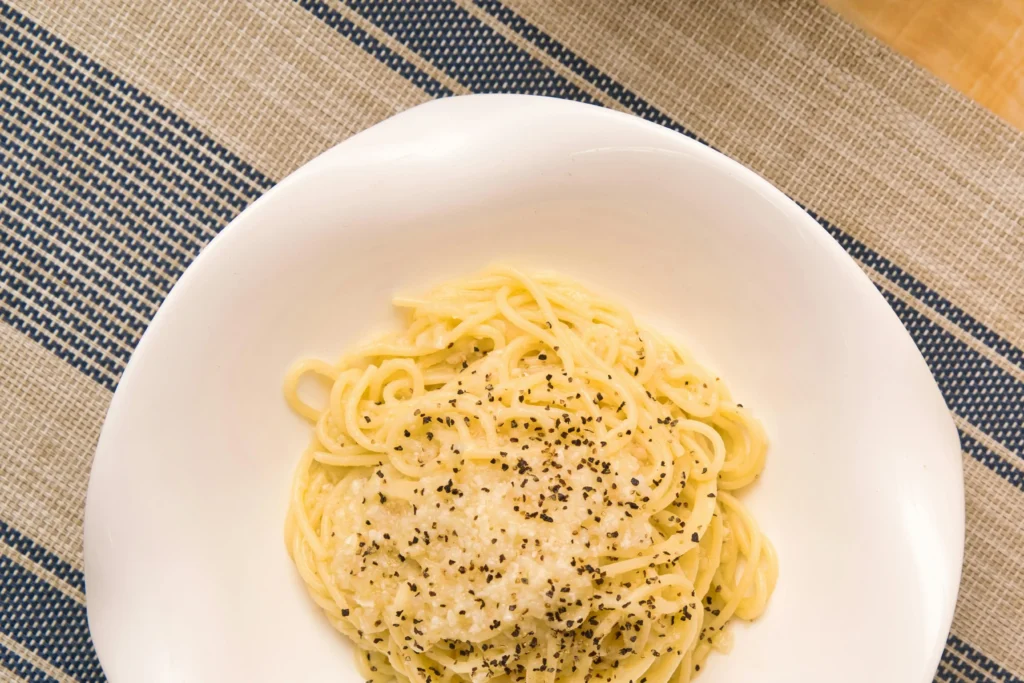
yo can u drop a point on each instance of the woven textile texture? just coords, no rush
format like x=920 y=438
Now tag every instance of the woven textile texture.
x=133 y=131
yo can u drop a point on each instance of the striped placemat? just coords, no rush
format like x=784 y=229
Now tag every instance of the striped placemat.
x=132 y=131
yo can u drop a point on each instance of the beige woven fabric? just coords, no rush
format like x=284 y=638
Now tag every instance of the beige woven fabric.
x=909 y=172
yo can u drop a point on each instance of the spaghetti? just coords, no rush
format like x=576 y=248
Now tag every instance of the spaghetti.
x=523 y=485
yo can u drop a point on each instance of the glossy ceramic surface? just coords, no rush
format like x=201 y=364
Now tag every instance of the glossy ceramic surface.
x=188 y=577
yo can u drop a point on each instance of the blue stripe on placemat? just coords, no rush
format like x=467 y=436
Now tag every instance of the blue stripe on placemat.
x=466 y=49
x=131 y=125
x=46 y=621
x=981 y=662
x=98 y=198
x=974 y=387
x=181 y=136
x=330 y=16
x=102 y=216
x=923 y=293
x=23 y=669
x=178 y=184
x=39 y=75
x=1005 y=469
x=590 y=73
x=32 y=305
x=952 y=669
x=24 y=545
x=962 y=662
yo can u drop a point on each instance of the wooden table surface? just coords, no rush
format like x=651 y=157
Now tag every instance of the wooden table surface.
x=977 y=46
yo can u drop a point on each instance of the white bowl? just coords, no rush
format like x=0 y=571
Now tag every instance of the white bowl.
x=187 y=572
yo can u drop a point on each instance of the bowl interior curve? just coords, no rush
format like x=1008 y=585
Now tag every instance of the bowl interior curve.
x=187 y=573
